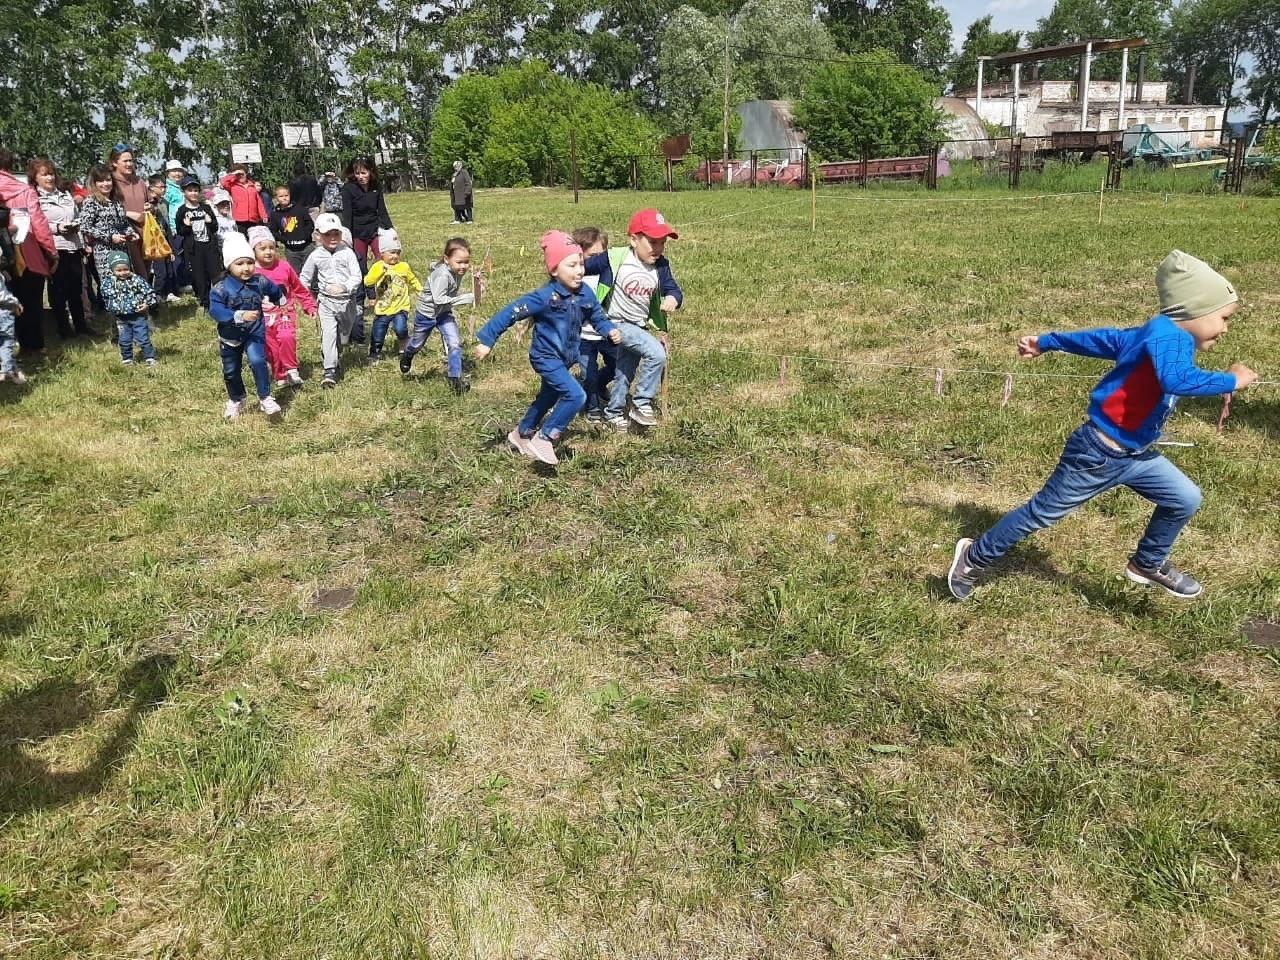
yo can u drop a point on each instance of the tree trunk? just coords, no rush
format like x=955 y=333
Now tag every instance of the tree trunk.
x=1189 y=86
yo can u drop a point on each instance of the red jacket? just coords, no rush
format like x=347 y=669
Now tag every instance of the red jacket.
x=246 y=202
x=38 y=250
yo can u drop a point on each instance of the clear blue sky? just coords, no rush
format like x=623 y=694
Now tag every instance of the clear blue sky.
x=1006 y=14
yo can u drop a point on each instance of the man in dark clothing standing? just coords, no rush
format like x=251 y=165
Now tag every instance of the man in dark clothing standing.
x=460 y=194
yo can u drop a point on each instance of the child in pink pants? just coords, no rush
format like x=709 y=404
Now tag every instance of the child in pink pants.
x=281 y=322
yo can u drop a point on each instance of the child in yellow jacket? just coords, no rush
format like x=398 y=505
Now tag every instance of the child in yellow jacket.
x=395 y=286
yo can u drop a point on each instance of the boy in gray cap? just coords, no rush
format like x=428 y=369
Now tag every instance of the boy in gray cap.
x=1154 y=365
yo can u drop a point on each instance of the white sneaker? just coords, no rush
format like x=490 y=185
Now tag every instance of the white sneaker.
x=644 y=415
x=294 y=378
x=618 y=424
x=233 y=409
x=151 y=361
x=269 y=406
x=173 y=298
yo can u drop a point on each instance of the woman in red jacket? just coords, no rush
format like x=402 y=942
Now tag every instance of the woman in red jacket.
x=246 y=199
x=39 y=253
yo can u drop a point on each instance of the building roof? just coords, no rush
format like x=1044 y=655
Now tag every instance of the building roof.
x=1065 y=50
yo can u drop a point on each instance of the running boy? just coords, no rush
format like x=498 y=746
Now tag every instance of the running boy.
x=128 y=297
x=1154 y=365
x=333 y=271
x=558 y=310
x=434 y=311
x=639 y=292
x=394 y=286
x=236 y=304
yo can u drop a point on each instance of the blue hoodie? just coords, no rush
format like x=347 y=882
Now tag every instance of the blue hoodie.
x=1155 y=364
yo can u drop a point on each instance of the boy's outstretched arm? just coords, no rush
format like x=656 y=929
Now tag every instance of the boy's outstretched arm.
x=1104 y=343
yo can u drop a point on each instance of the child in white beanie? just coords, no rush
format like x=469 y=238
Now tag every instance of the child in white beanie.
x=333 y=272
x=1115 y=447
x=394 y=286
x=236 y=304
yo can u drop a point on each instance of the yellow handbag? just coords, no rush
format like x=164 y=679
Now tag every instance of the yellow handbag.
x=154 y=245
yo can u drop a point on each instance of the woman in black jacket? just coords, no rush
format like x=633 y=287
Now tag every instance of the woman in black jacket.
x=364 y=212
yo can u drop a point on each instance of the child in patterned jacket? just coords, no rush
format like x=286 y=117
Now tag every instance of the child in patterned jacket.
x=128 y=297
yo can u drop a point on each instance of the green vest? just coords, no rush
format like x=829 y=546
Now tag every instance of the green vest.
x=604 y=292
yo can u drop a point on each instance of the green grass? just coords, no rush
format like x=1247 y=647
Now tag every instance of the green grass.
x=692 y=695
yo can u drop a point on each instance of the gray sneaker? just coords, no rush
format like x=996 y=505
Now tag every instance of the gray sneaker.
x=962 y=578
x=618 y=424
x=643 y=414
x=1169 y=578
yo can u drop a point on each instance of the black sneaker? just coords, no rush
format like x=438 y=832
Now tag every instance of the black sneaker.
x=330 y=380
x=962 y=578
x=375 y=356
x=406 y=362
x=1169 y=578
x=459 y=385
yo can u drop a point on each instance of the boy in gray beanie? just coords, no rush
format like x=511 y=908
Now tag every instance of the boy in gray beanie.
x=1154 y=365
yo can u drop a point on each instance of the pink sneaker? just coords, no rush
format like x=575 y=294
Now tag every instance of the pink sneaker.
x=543 y=450
x=520 y=443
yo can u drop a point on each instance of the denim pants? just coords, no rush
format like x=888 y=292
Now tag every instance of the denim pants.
x=561 y=395
x=596 y=380
x=641 y=359
x=423 y=324
x=133 y=329
x=7 y=327
x=381 y=322
x=1088 y=468
x=235 y=341
x=164 y=277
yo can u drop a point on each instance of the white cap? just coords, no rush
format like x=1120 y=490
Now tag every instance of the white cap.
x=389 y=240
x=219 y=196
x=328 y=221
x=175 y=165
x=235 y=247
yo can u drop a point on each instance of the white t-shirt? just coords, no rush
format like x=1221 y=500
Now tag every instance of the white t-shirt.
x=633 y=288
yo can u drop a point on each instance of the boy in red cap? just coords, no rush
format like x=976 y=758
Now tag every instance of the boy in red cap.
x=558 y=310
x=638 y=291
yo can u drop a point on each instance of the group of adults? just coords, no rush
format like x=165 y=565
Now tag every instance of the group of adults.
x=44 y=206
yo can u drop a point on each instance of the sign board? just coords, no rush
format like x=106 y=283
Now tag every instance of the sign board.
x=302 y=136
x=246 y=153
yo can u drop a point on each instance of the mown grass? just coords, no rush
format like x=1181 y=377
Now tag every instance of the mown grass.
x=692 y=695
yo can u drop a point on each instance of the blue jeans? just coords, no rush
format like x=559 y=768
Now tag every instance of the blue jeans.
x=8 y=323
x=235 y=341
x=596 y=380
x=559 y=391
x=1088 y=468
x=164 y=277
x=381 y=322
x=133 y=329
x=423 y=324
x=640 y=358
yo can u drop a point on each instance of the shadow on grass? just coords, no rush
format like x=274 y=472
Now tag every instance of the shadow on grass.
x=55 y=706
x=970 y=519
x=1260 y=413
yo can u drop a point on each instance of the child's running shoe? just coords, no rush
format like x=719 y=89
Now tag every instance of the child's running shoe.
x=294 y=378
x=330 y=379
x=644 y=415
x=459 y=385
x=269 y=406
x=595 y=416
x=618 y=424
x=280 y=384
x=962 y=578
x=126 y=361
x=520 y=443
x=406 y=362
x=375 y=356
x=1167 y=577
x=543 y=450
x=151 y=361
x=232 y=409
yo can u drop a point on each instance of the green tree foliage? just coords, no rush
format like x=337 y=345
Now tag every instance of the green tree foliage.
x=1072 y=20
x=980 y=41
x=917 y=32
x=874 y=100
x=512 y=128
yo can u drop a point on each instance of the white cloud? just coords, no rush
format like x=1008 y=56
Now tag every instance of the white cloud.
x=1010 y=6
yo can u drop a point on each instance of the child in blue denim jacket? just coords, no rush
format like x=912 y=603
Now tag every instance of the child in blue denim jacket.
x=558 y=311
x=235 y=303
x=1154 y=365
x=128 y=298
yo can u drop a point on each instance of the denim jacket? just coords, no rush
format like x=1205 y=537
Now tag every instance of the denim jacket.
x=230 y=298
x=558 y=314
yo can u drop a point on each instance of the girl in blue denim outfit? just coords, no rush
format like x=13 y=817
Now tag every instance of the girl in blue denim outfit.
x=235 y=302
x=558 y=311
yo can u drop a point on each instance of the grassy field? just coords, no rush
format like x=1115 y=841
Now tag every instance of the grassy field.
x=362 y=684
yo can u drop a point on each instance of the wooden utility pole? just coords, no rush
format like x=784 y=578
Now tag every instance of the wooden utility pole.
x=728 y=30
x=573 y=158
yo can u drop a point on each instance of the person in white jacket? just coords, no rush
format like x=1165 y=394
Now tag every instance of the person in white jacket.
x=333 y=273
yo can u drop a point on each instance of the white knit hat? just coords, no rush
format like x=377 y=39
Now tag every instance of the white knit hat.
x=235 y=247
x=260 y=234
x=389 y=240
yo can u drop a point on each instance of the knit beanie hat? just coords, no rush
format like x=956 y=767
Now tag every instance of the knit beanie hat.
x=235 y=247
x=388 y=240
x=556 y=245
x=260 y=234
x=117 y=257
x=1190 y=288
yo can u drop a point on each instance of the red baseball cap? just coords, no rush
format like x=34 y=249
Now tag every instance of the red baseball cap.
x=650 y=223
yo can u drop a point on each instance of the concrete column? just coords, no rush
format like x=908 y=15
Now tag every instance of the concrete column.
x=1124 y=83
x=1017 y=92
x=981 y=63
x=1084 y=85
